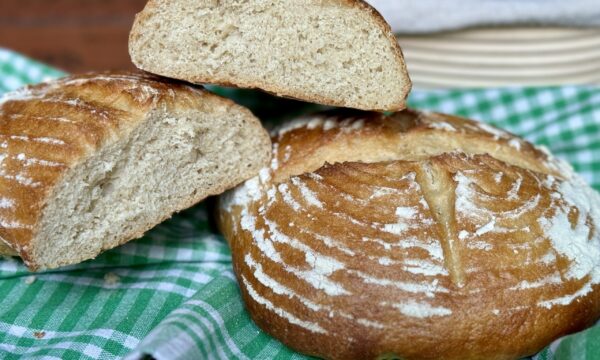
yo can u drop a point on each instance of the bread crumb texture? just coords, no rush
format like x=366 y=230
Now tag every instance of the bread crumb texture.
x=333 y=52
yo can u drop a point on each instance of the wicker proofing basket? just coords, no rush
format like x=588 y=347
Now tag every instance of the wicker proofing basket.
x=488 y=57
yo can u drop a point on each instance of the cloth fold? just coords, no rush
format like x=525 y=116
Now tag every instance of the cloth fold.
x=426 y=16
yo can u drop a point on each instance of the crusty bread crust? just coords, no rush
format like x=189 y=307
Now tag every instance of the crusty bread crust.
x=419 y=236
x=150 y=10
x=46 y=130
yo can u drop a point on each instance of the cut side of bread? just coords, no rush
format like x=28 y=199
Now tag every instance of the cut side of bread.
x=334 y=52
x=90 y=162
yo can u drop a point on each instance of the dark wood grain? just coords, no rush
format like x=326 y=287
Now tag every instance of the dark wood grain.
x=73 y=35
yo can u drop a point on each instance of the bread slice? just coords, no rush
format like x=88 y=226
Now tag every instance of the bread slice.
x=89 y=162
x=332 y=52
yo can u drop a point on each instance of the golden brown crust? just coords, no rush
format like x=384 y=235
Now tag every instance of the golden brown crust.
x=367 y=136
x=425 y=252
x=142 y=17
x=48 y=129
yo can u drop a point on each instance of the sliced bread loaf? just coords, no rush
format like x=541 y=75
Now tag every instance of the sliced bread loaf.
x=90 y=162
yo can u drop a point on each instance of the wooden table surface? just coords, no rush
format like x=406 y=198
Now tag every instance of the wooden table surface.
x=73 y=35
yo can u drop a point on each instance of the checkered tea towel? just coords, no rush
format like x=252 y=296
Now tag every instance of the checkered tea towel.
x=173 y=295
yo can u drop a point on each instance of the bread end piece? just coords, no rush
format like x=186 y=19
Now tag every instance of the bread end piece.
x=96 y=160
x=336 y=52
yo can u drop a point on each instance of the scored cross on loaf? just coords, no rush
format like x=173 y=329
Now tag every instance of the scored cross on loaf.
x=415 y=235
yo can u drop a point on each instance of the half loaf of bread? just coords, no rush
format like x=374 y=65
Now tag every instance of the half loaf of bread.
x=334 y=52
x=414 y=236
x=89 y=162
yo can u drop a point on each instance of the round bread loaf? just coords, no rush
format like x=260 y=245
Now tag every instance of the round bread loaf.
x=414 y=236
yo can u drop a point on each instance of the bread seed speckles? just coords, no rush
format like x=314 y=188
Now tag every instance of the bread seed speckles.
x=111 y=279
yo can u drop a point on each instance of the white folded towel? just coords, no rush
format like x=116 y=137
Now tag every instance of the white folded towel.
x=425 y=16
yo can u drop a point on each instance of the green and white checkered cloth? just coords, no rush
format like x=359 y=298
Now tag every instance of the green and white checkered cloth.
x=173 y=295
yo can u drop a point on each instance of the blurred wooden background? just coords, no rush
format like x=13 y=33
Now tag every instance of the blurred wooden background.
x=73 y=35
